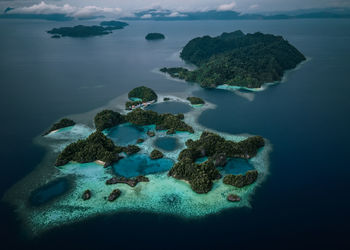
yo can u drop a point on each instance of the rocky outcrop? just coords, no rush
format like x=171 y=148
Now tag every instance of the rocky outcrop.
x=156 y=154
x=86 y=195
x=233 y=198
x=140 y=140
x=151 y=133
x=132 y=182
x=114 y=195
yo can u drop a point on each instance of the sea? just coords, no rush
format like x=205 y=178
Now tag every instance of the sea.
x=304 y=203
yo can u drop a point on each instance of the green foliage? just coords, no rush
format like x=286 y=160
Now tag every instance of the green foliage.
x=154 y=36
x=108 y=119
x=131 y=149
x=61 y=124
x=142 y=117
x=129 y=104
x=80 y=31
x=96 y=147
x=195 y=100
x=241 y=180
x=199 y=176
x=211 y=144
x=143 y=93
x=237 y=59
x=156 y=154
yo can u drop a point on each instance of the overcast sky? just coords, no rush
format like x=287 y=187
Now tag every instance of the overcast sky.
x=85 y=7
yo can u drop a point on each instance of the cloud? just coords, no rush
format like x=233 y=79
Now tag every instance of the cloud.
x=175 y=14
x=146 y=16
x=226 y=7
x=253 y=6
x=66 y=9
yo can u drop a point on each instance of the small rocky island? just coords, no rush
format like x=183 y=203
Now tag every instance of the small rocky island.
x=63 y=123
x=155 y=36
x=104 y=28
x=195 y=100
x=237 y=59
x=140 y=97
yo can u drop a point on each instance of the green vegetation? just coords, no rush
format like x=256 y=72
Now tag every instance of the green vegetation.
x=108 y=119
x=172 y=122
x=200 y=176
x=143 y=93
x=211 y=144
x=61 y=124
x=156 y=154
x=241 y=180
x=96 y=147
x=237 y=59
x=131 y=149
x=154 y=36
x=129 y=104
x=195 y=100
x=80 y=31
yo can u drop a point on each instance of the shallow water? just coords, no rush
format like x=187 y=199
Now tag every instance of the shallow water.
x=140 y=164
x=237 y=166
x=170 y=107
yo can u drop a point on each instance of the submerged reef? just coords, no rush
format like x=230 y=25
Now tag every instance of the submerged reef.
x=105 y=177
x=237 y=59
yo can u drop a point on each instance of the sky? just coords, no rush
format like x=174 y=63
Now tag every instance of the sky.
x=85 y=8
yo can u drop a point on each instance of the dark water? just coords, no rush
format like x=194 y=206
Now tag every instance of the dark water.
x=140 y=164
x=166 y=143
x=304 y=202
x=49 y=192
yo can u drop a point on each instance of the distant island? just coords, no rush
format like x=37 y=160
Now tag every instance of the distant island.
x=154 y=36
x=237 y=59
x=104 y=28
x=195 y=100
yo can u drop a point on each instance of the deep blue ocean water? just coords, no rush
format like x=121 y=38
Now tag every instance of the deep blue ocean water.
x=303 y=204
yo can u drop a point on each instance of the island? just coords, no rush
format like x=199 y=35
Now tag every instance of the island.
x=154 y=36
x=63 y=123
x=211 y=145
x=140 y=97
x=87 y=31
x=113 y=25
x=237 y=59
x=91 y=167
x=195 y=100
x=108 y=119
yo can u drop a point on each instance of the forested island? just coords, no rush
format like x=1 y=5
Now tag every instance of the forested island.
x=154 y=36
x=237 y=59
x=104 y=28
x=218 y=150
x=61 y=124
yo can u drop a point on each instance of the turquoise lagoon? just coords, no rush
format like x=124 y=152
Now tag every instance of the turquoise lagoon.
x=162 y=194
